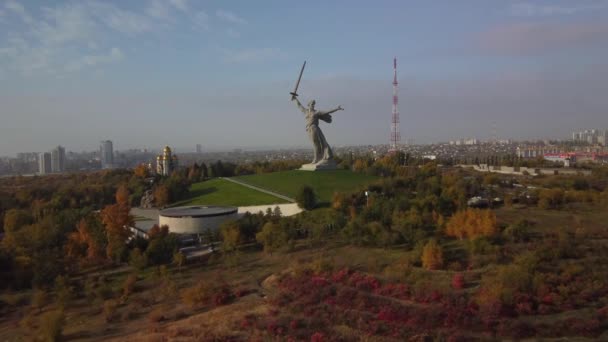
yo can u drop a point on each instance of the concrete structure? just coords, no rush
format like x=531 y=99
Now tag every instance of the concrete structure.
x=44 y=163
x=520 y=171
x=196 y=219
x=106 y=154
x=464 y=141
x=537 y=151
x=58 y=159
x=286 y=209
x=564 y=158
x=166 y=162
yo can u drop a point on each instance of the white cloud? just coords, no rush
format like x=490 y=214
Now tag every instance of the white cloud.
x=525 y=9
x=201 y=19
x=63 y=25
x=18 y=8
x=114 y=55
x=233 y=33
x=64 y=32
x=229 y=17
x=158 y=9
x=254 y=55
x=539 y=38
x=181 y=5
x=120 y=20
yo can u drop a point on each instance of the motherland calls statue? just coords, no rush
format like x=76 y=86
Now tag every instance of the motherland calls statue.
x=323 y=158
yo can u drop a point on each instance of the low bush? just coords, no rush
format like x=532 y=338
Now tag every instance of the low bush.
x=109 y=310
x=51 y=325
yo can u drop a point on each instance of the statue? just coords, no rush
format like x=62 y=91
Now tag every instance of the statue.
x=323 y=158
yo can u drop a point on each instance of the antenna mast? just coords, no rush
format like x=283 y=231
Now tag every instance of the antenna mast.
x=395 y=135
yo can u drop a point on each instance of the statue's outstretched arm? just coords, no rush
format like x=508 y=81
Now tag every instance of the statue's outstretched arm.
x=331 y=111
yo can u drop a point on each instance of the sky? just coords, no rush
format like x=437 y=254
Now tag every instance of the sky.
x=151 y=73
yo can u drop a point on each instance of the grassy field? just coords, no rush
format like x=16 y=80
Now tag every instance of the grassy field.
x=222 y=192
x=324 y=183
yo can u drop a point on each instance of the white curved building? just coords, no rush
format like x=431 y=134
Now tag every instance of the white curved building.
x=196 y=219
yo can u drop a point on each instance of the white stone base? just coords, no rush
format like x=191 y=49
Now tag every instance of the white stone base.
x=327 y=165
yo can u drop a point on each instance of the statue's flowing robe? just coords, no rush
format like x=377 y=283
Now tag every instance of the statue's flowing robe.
x=322 y=150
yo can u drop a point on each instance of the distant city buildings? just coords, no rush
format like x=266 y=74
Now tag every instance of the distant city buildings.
x=469 y=141
x=51 y=162
x=44 y=163
x=199 y=149
x=58 y=159
x=591 y=136
x=106 y=154
x=166 y=163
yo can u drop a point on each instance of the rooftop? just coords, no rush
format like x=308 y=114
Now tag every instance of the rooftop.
x=198 y=211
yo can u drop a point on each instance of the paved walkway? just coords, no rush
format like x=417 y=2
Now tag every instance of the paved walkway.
x=289 y=199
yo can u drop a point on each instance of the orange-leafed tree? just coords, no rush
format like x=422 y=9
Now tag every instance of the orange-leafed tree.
x=161 y=195
x=141 y=171
x=117 y=219
x=471 y=224
x=82 y=243
x=432 y=255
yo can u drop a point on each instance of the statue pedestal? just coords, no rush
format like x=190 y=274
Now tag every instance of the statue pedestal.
x=323 y=166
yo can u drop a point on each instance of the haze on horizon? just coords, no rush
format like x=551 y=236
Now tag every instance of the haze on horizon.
x=218 y=73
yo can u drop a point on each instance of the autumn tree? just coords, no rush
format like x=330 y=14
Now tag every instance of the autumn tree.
x=117 y=219
x=161 y=195
x=141 y=171
x=15 y=219
x=272 y=236
x=162 y=245
x=550 y=198
x=432 y=255
x=306 y=198
x=231 y=236
x=179 y=259
x=472 y=223
x=83 y=244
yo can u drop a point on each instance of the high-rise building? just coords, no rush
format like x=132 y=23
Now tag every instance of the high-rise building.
x=199 y=149
x=44 y=163
x=106 y=154
x=58 y=159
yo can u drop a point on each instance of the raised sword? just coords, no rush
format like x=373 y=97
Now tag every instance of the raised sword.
x=294 y=93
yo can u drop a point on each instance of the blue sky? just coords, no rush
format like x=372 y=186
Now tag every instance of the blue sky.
x=218 y=73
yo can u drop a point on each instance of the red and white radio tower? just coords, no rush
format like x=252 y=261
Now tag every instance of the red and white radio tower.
x=395 y=135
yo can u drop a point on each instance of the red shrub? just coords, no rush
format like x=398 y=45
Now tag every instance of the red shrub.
x=603 y=313
x=317 y=337
x=223 y=296
x=319 y=281
x=341 y=275
x=458 y=281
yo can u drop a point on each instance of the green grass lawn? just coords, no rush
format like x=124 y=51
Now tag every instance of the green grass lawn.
x=222 y=192
x=325 y=183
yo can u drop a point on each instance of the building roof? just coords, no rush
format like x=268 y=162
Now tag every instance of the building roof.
x=198 y=211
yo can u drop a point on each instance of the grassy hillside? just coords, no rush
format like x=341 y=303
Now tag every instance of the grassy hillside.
x=324 y=183
x=222 y=192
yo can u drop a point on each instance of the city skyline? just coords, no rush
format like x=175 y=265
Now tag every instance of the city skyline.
x=183 y=72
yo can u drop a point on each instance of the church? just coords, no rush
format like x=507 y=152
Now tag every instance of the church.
x=166 y=163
